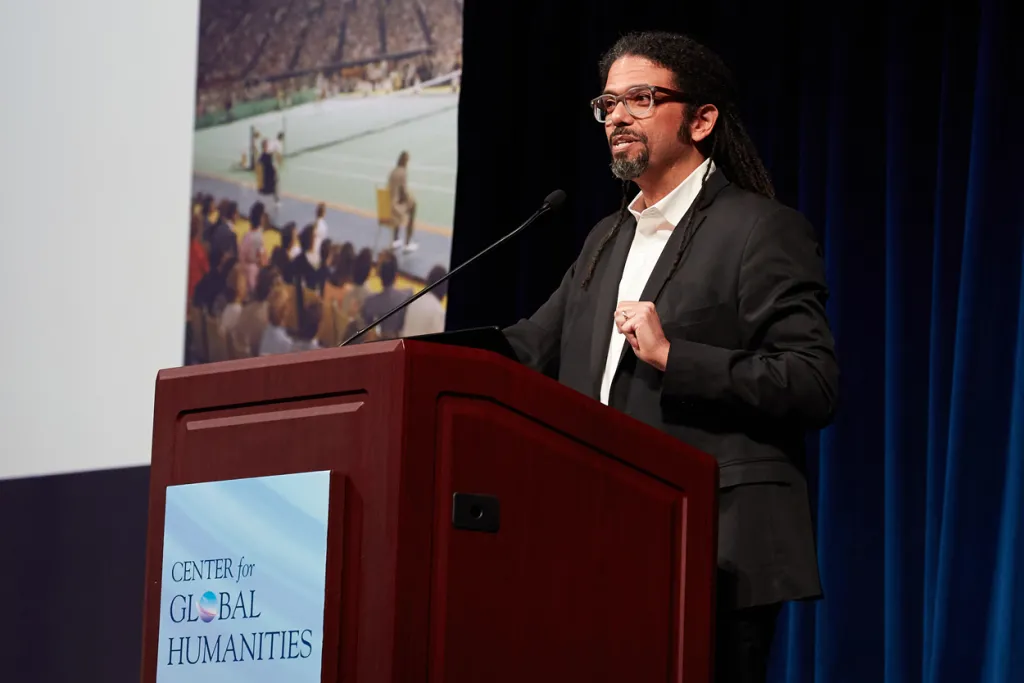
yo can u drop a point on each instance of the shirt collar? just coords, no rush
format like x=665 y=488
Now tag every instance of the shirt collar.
x=672 y=206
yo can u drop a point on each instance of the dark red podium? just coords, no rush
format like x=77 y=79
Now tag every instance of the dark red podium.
x=486 y=523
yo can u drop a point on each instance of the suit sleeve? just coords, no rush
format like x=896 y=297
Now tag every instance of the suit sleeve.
x=537 y=339
x=787 y=369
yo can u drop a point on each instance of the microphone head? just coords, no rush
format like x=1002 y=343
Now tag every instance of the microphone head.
x=555 y=199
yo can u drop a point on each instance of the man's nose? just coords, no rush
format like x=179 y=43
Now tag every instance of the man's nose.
x=620 y=116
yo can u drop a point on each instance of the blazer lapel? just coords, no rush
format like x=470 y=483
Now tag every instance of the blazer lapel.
x=662 y=269
x=607 y=296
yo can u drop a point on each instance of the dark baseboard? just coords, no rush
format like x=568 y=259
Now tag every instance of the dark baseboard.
x=72 y=574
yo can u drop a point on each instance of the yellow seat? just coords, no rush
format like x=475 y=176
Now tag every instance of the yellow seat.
x=384 y=217
x=384 y=207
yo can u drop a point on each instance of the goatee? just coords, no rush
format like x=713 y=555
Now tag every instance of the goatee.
x=622 y=166
x=625 y=168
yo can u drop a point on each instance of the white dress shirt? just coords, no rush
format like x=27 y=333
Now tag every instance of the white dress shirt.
x=654 y=226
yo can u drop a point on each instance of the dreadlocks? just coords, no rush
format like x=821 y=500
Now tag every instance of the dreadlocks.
x=623 y=212
x=703 y=76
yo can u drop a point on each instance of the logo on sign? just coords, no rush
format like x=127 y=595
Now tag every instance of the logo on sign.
x=207 y=606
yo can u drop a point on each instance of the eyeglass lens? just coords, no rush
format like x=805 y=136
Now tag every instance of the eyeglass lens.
x=637 y=100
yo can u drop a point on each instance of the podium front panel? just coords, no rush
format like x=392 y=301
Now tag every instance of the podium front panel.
x=580 y=579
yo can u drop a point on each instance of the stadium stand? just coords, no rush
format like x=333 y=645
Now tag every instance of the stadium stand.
x=255 y=49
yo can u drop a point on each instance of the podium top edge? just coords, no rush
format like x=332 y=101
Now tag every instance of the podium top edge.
x=282 y=359
x=419 y=347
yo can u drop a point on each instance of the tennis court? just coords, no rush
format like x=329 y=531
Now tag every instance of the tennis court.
x=340 y=151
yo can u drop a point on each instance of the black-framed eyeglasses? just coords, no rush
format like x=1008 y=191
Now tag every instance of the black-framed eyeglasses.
x=639 y=101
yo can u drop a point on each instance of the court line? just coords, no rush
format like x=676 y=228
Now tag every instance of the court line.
x=439 y=170
x=345 y=174
x=413 y=166
x=368 y=178
x=425 y=227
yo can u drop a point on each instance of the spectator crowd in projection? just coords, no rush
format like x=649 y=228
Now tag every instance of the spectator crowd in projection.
x=257 y=289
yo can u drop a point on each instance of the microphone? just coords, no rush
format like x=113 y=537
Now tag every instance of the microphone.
x=552 y=201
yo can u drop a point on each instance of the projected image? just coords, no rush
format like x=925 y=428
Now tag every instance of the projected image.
x=324 y=172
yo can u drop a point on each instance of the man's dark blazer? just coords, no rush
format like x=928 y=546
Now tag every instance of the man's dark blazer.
x=751 y=369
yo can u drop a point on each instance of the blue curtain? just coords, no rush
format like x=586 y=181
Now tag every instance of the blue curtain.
x=910 y=161
x=896 y=129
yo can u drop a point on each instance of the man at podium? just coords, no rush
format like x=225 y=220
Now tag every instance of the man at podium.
x=699 y=308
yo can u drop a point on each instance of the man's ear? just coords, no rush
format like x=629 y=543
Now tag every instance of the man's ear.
x=704 y=122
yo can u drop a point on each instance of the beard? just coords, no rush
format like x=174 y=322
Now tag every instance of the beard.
x=630 y=168
x=625 y=167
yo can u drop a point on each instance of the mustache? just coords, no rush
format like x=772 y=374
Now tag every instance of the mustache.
x=622 y=130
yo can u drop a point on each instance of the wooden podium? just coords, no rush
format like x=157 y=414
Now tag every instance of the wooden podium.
x=487 y=524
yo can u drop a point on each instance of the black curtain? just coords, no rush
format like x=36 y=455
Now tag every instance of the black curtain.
x=895 y=129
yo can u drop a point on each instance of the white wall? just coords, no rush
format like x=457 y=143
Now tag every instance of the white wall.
x=95 y=176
